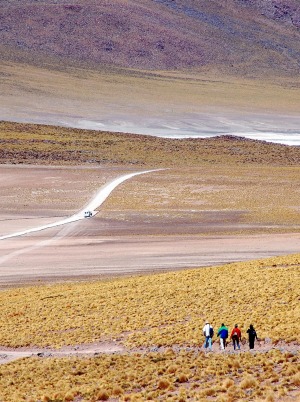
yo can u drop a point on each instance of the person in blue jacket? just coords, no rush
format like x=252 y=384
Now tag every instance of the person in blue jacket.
x=223 y=334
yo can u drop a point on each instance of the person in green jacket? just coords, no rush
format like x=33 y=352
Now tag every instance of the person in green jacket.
x=223 y=334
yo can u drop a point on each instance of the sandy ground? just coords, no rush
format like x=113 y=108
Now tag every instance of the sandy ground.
x=173 y=105
x=62 y=257
x=100 y=246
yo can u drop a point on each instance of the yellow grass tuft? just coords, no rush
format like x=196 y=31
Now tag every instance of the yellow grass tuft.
x=172 y=369
x=228 y=382
x=296 y=379
x=117 y=390
x=163 y=384
x=248 y=382
x=102 y=395
x=270 y=397
x=69 y=396
x=183 y=378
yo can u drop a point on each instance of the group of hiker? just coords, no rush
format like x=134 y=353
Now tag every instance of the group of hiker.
x=223 y=334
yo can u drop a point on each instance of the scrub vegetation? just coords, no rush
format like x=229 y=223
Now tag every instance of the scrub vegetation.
x=157 y=310
x=167 y=376
x=158 y=319
x=252 y=199
x=38 y=144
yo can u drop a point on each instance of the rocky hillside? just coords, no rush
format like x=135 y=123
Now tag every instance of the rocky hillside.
x=244 y=37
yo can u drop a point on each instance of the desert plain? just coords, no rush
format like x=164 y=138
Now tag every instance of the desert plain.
x=200 y=97
x=167 y=219
x=112 y=307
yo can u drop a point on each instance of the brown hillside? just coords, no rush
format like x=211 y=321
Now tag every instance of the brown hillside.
x=38 y=144
x=241 y=37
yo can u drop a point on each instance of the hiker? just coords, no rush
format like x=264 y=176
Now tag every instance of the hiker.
x=223 y=334
x=252 y=335
x=208 y=332
x=236 y=336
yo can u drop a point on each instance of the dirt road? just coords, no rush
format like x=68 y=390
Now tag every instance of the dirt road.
x=100 y=246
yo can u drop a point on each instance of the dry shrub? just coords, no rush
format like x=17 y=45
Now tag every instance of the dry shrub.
x=296 y=379
x=288 y=355
x=248 y=382
x=172 y=369
x=270 y=397
x=227 y=383
x=102 y=395
x=69 y=396
x=163 y=384
x=162 y=304
x=208 y=392
x=207 y=386
x=282 y=391
x=290 y=369
x=140 y=370
x=182 y=396
x=275 y=378
x=130 y=376
x=117 y=390
x=183 y=378
x=222 y=398
x=58 y=395
x=236 y=364
x=150 y=396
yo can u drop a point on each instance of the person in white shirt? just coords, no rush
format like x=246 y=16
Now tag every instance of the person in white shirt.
x=208 y=332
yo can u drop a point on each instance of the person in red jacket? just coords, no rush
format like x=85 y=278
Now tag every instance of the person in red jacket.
x=236 y=336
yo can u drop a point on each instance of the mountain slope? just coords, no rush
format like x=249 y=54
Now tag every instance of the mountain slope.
x=248 y=37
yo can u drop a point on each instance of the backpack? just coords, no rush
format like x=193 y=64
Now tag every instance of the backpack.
x=235 y=335
x=211 y=332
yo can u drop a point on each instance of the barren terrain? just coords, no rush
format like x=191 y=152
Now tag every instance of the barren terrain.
x=163 y=68
x=171 y=219
x=112 y=307
x=163 y=104
x=80 y=313
x=253 y=38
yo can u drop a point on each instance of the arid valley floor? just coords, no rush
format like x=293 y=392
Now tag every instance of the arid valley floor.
x=170 y=219
x=111 y=307
x=201 y=98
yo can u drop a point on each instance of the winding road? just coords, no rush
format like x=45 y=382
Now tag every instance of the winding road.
x=76 y=248
x=99 y=198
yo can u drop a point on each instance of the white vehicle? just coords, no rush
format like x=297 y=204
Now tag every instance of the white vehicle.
x=87 y=214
